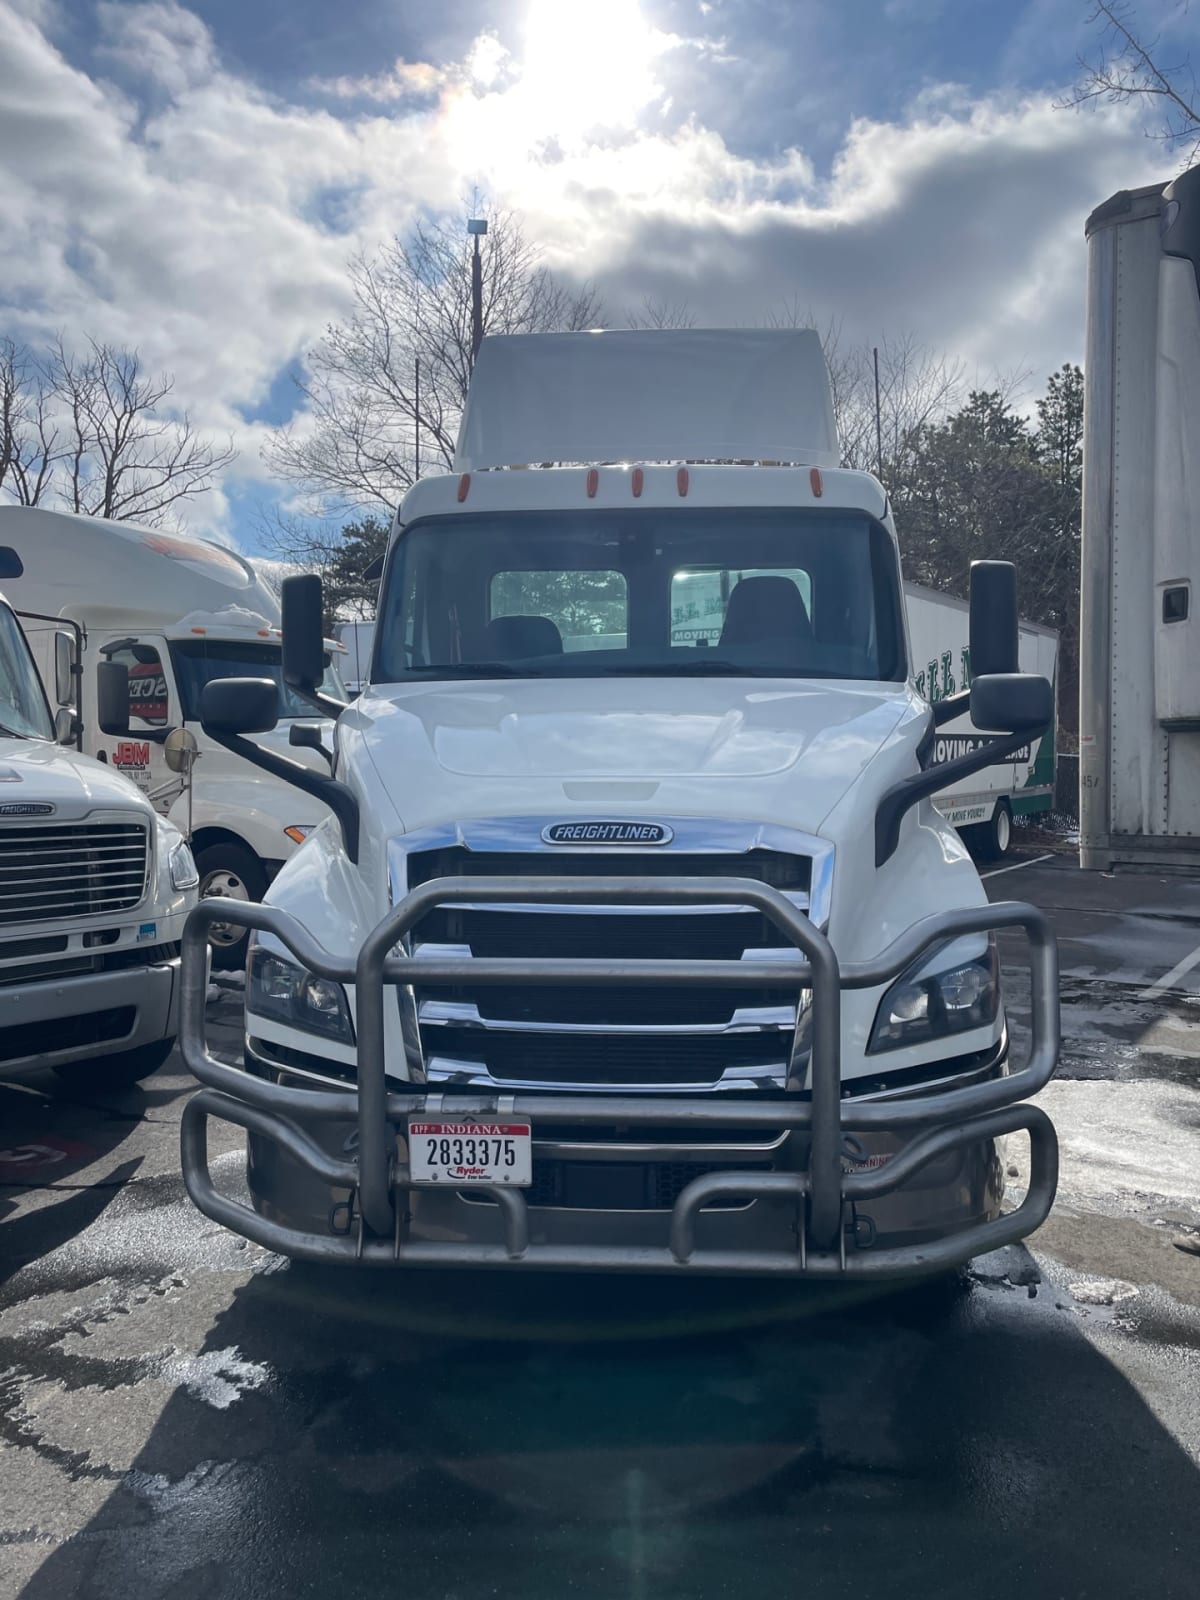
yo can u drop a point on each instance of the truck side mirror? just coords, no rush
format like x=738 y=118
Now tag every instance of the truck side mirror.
x=303 y=635
x=993 y=627
x=235 y=706
x=66 y=726
x=1011 y=702
x=112 y=698
x=64 y=669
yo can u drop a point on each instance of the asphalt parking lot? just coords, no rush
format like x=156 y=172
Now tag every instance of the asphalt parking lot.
x=182 y=1414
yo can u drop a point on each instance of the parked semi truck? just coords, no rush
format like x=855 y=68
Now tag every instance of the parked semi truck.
x=177 y=613
x=649 y=953
x=1139 y=703
x=94 y=891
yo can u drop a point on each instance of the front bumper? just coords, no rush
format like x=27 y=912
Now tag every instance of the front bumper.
x=49 y=1021
x=800 y=1221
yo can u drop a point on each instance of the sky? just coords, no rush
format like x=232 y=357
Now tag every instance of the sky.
x=191 y=180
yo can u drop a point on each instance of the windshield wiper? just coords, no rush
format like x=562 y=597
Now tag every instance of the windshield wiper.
x=682 y=669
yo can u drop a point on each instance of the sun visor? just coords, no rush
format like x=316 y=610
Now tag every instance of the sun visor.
x=682 y=394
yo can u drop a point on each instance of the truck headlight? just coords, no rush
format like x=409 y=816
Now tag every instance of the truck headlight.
x=183 y=869
x=936 y=999
x=287 y=993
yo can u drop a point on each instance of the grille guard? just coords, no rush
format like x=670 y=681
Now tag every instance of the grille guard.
x=943 y=1121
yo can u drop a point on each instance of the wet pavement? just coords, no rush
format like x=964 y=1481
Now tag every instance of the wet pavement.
x=182 y=1414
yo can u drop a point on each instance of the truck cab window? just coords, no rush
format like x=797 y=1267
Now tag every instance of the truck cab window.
x=743 y=591
x=148 y=696
x=23 y=708
x=700 y=599
x=587 y=608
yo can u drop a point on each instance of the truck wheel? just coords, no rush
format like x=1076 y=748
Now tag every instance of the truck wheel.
x=231 y=872
x=997 y=834
x=116 y=1072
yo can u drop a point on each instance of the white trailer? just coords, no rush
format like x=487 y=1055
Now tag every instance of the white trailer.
x=94 y=891
x=982 y=806
x=176 y=613
x=357 y=639
x=1139 y=704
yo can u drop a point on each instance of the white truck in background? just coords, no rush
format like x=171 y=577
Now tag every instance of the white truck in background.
x=94 y=892
x=176 y=613
x=981 y=806
x=648 y=954
x=1139 y=657
x=357 y=639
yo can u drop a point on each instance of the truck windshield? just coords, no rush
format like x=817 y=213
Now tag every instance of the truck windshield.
x=198 y=661
x=23 y=708
x=742 y=592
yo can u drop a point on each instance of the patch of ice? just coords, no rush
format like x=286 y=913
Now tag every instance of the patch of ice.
x=1101 y=1291
x=218 y=1377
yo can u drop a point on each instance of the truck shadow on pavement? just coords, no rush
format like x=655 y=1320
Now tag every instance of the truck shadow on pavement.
x=48 y=1141
x=376 y=1434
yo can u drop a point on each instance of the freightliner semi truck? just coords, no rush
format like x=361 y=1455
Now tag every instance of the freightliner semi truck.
x=94 y=891
x=643 y=954
x=176 y=612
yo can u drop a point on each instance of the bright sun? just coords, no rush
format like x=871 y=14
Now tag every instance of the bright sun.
x=588 y=64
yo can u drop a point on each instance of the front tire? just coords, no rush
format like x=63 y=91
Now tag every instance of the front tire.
x=120 y=1071
x=229 y=871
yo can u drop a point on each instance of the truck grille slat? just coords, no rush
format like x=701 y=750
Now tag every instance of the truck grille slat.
x=607 y=1058
x=538 y=1051
x=66 y=870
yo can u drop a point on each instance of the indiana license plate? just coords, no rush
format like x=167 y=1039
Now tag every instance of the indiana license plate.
x=458 y=1153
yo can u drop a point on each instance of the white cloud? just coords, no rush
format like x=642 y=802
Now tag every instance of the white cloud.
x=182 y=210
x=159 y=40
x=404 y=80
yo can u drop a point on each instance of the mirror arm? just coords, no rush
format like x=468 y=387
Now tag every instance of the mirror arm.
x=954 y=705
x=902 y=796
x=324 y=703
x=339 y=797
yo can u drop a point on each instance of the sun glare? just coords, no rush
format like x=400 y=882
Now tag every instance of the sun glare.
x=589 y=64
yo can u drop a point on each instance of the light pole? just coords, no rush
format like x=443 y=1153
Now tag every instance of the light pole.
x=476 y=227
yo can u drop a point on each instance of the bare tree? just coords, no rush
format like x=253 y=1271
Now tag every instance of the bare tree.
x=28 y=436
x=661 y=314
x=1127 y=69
x=393 y=377
x=917 y=386
x=122 y=457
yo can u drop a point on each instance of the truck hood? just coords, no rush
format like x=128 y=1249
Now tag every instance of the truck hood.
x=36 y=772
x=452 y=750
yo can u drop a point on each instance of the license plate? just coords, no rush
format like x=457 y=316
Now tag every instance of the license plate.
x=458 y=1153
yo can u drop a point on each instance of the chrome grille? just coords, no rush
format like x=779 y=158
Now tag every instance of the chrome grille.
x=673 y=1035
x=54 y=870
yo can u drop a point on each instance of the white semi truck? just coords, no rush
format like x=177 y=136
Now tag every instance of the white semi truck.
x=647 y=954
x=94 y=892
x=177 y=613
x=1139 y=701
